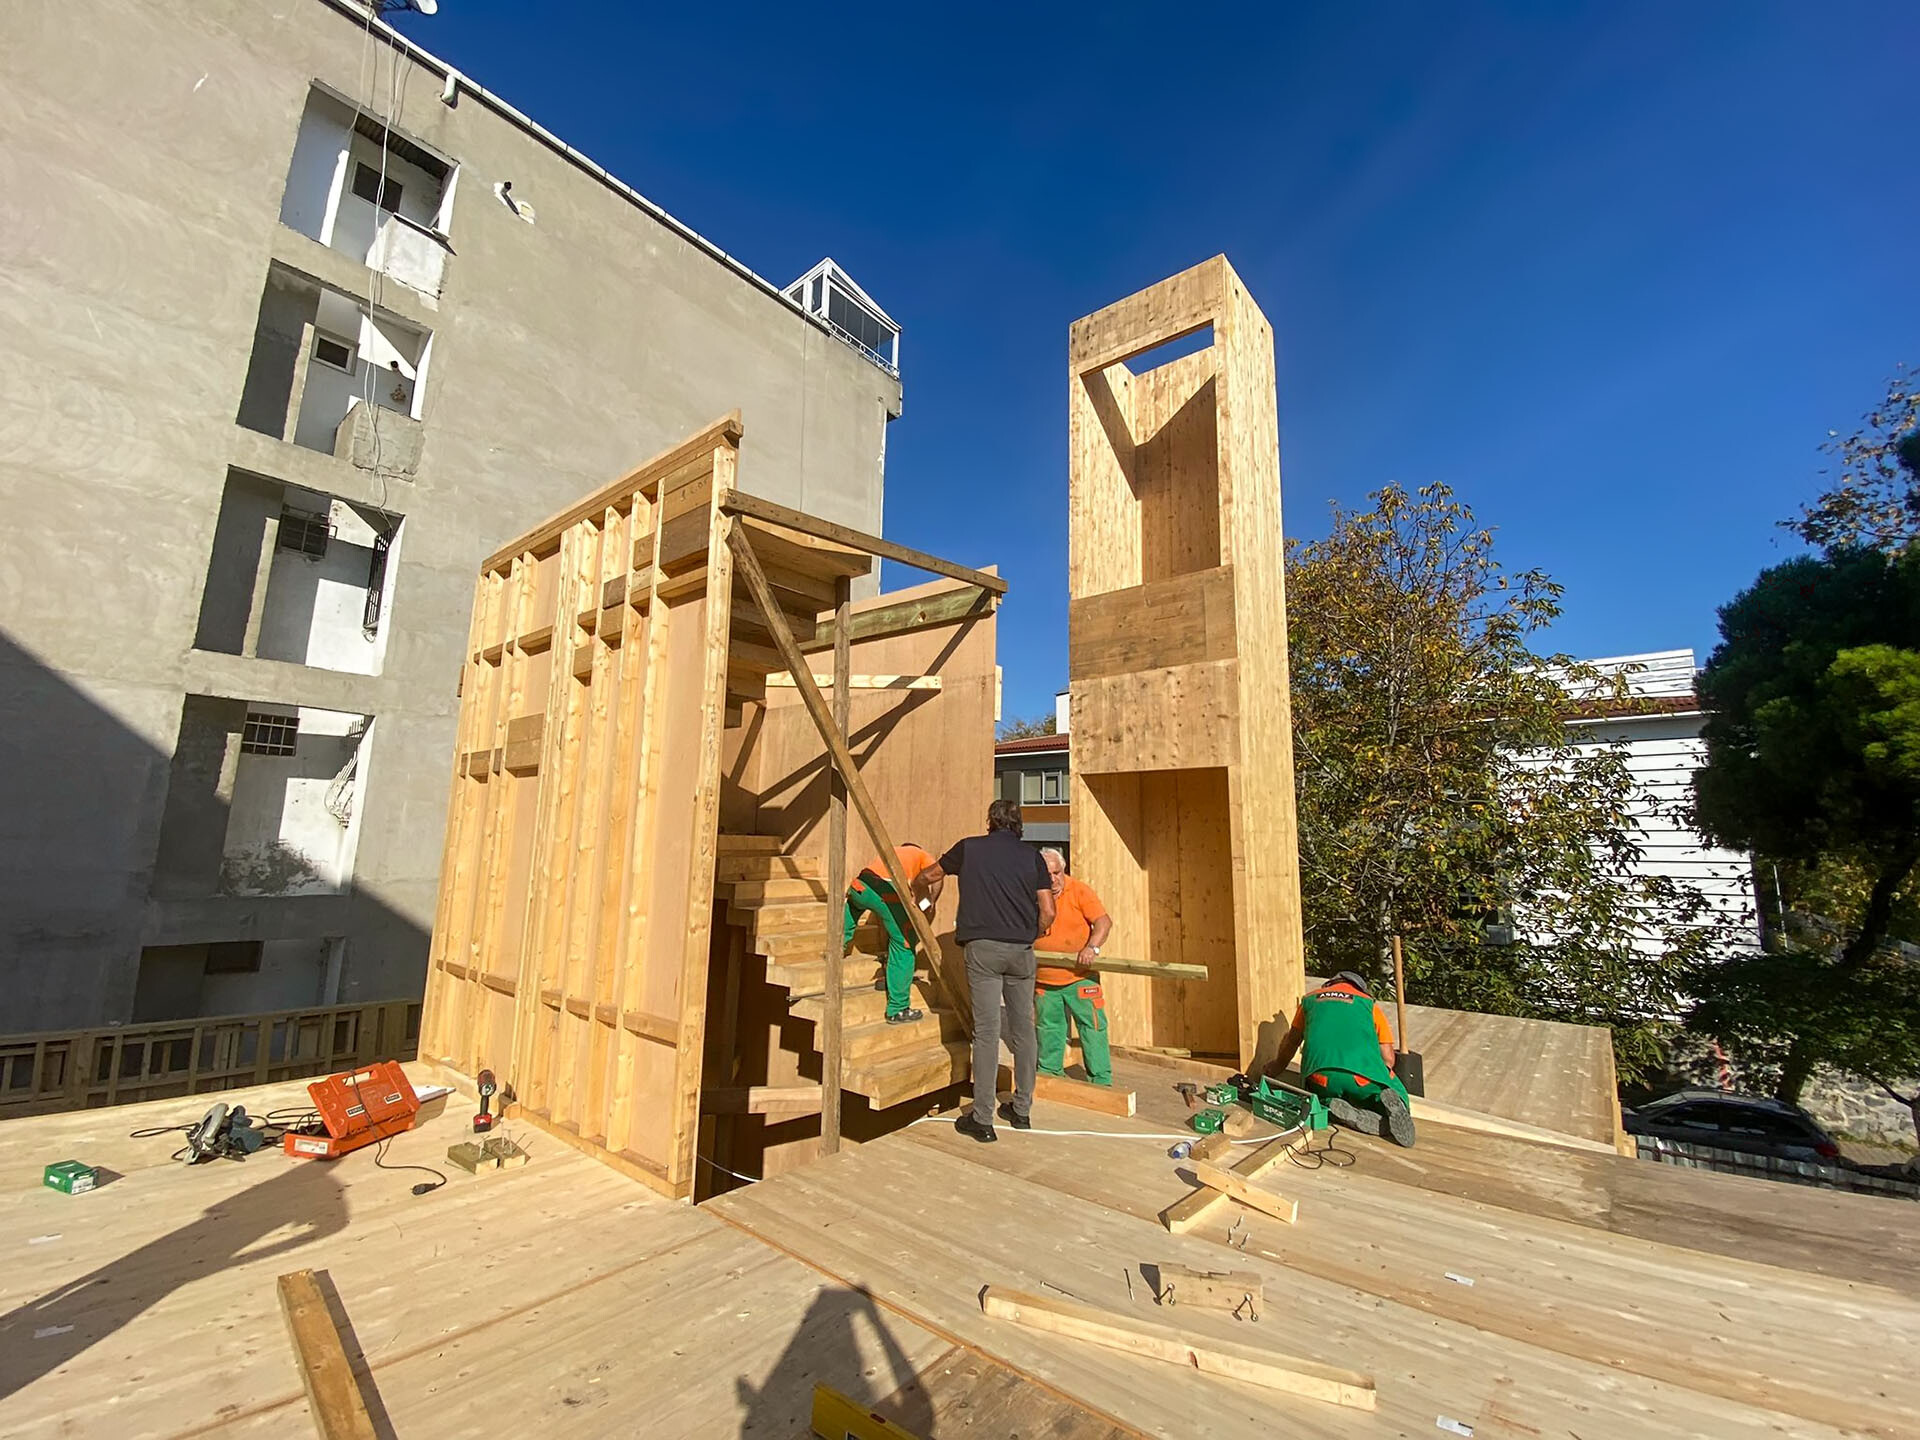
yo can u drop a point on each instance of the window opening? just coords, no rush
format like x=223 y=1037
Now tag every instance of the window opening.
x=305 y=531
x=367 y=185
x=331 y=350
x=268 y=734
x=233 y=957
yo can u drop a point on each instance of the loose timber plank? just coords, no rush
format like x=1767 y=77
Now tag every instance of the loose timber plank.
x=1081 y=1094
x=1185 y=1214
x=1113 y=965
x=339 y=1412
x=1155 y=1341
x=1235 y=1187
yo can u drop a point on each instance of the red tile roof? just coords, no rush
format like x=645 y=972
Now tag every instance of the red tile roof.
x=1030 y=743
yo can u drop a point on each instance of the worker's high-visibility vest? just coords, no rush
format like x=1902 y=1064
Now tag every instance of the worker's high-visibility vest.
x=1341 y=1035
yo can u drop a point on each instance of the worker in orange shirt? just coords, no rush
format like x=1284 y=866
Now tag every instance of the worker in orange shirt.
x=1080 y=928
x=872 y=893
x=1346 y=1058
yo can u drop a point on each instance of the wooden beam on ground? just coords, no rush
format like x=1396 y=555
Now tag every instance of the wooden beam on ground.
x=1235 y=1186
x=1157 y=970
x=784 y=1100
x=1080 y=1094
x=1151 y=1340
x=339 y=1412
x=1191 y=1210
x=964 y=602
x=1228 y=1290
x=833 y=1016
x=782 y=680
x=740 y=503
x=953 y=989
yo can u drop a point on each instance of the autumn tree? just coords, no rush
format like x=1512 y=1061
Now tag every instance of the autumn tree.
x=1439 y=789
x=1872 y=500
x=1016 y=728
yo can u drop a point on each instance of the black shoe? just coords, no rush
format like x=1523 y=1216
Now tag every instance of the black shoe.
x=1399 y=1118
x=967 y=1125
x=1014 y=1118
x=1345 y=1112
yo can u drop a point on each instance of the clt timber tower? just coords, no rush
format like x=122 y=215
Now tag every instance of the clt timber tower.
x=1183 y=802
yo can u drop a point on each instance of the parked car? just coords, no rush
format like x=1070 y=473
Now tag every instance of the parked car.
x=1748 y=1123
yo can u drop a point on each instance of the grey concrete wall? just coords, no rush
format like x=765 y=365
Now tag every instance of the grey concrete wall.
x=144 y=171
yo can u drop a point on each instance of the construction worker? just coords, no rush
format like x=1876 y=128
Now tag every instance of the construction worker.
x=1347 y=1058
x=1080 y=927
x=872 y=893
x=1006 y=902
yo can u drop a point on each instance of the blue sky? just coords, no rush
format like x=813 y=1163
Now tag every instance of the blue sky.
x=1611 y=271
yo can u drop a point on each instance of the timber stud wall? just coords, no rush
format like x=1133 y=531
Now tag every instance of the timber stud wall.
x=570 y=944
x=1183 y=802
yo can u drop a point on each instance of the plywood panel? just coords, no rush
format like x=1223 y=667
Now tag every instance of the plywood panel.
x=1175 y=473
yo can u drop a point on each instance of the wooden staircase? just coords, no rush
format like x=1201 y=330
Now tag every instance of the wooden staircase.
x=777 y=901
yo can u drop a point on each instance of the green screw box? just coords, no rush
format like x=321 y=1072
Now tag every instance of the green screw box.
x=70 y=1177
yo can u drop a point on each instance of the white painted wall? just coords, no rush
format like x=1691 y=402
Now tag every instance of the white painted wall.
x=315 y=608
x=379 y=344
x=281 y=837
x=307 y=202
x=1060 y=708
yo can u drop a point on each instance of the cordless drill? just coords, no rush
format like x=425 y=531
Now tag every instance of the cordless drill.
x=483 y=1122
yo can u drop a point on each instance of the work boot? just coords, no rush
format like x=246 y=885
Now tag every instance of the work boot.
x=1345 y=1112
x=906 y=1017
x=1013 y=1117
x=1399 y=1119
x=968 y=1125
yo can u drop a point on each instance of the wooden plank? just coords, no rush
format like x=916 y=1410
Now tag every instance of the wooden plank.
x=1114 y=965
x=1240 y=1291
x=783 y=1100
x=1181 y=620
x=1184 y=1214
x=333 y=1397
x=1064 y=1090
x=1235 y=1187
x=740 y=503
x=1151 y=1340
x=954 y=988
x=724 y=431
x=904 y=617
x=782 y=680
x=833 y=1018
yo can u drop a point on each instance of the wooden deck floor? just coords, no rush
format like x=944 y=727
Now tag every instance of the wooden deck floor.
x=1609 y=1297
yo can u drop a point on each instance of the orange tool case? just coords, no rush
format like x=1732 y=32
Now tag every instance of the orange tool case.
x=358 y=1108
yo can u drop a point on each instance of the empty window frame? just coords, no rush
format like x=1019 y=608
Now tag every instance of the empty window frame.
x=335 y=351
x=266 y=733
x=367 y=185
x=305 y=531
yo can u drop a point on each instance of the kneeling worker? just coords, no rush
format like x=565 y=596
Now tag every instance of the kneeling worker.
x=872 y=893
x=1080 y=928
x=1348 y=1058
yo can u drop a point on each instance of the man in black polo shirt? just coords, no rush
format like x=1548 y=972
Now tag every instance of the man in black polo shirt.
x=1006 y=902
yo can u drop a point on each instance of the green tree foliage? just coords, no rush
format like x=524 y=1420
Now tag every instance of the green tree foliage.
x=1873 y=500
x=1813 y=757
x=1015 y=728
x=1438 y=788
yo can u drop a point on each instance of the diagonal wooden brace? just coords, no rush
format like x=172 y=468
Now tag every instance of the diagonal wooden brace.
x=748 y=565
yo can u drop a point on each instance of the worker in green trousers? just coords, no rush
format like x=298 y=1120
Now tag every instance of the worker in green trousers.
x=872 y=894
x=1346 y=1057
x=1080 y=927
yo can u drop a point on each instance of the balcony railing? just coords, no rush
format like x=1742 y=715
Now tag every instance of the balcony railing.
x=49 y=1071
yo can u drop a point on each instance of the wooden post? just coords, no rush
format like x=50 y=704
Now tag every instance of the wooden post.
x=1399 y=996
x=833 y=1016
x=953 y=991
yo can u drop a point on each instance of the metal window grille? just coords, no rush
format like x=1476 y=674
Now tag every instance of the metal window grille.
x=269 y=734
x=305 y=532
x=376 y=583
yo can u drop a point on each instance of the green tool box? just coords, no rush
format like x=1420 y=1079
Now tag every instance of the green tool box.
x=1207 y=1122
x=1287 y=1107
x=70 y=1177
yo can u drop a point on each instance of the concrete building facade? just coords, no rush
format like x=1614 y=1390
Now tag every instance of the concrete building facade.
x=296 y=325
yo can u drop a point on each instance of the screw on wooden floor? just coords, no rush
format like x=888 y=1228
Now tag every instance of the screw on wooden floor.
x=1129 y=1274
x=1049 y=1285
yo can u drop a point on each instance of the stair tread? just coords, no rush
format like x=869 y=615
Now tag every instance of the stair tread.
x=910 y=1074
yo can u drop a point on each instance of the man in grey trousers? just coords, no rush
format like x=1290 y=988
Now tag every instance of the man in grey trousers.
x=1006 y=902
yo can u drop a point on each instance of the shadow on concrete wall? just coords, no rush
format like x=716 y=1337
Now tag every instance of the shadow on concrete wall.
x=82 y=800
